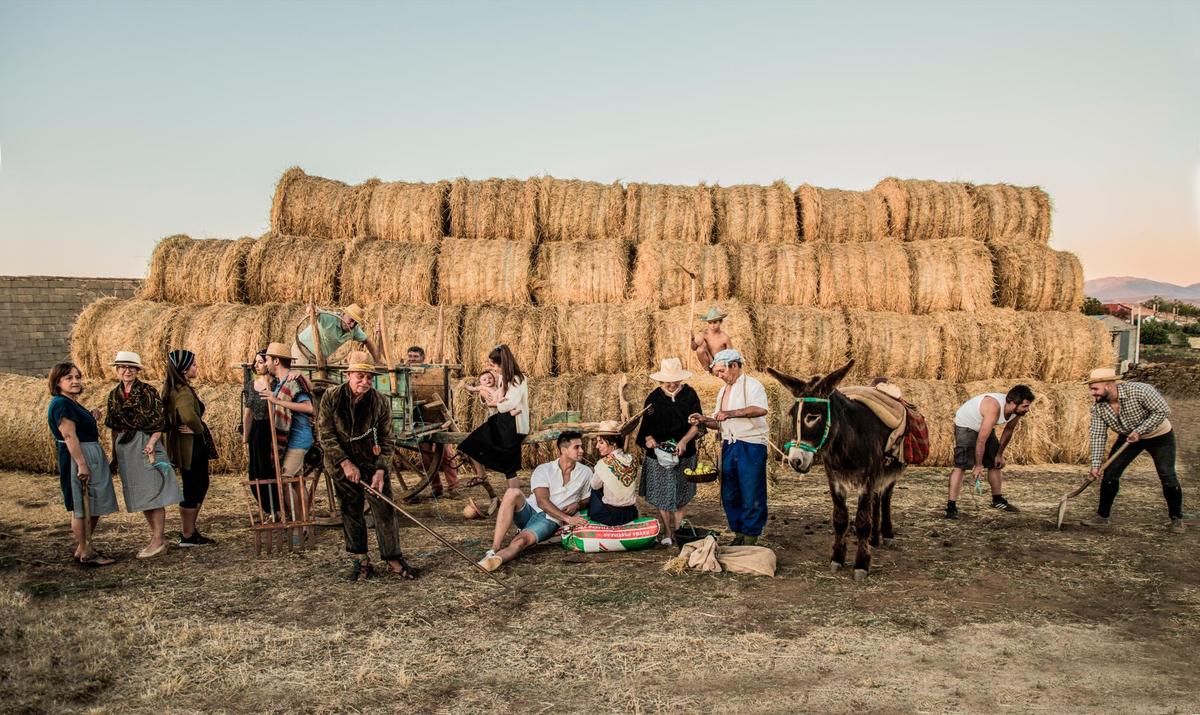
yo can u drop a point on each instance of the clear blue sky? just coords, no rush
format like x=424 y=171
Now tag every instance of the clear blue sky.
x=123 y=122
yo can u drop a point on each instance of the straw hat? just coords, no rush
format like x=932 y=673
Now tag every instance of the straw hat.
x=608 y=428
x=278 y=350
x=127 y=358
x=714 y=313
x=359 y=361
x=670 y=370
x=1103 y=374
x=355 y=312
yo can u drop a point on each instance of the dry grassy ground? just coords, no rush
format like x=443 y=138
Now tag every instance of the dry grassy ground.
x=990 y=613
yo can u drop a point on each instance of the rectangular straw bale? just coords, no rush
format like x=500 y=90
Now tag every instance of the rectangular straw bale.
x=871 y=276
x=781 y=274
x=670 y=330
x=925 y=210
x=806 y=341
x=837 y=216
x=953 y=274
x=580 y=272
x=293 y=269
x=320 y=208
x=1069 y=345
x=573 y=210
x=893 y=345
x=475 y=272
x=662 y=212
x=1030 y=276
x=937 y=401
x=417 y=325
x=222 y=335
x=659 y=280
x=986 y=344
x=504 y=209
x=1003 y=211
x=547 y=396
x=1072 y=416
x=186 y=270
x=402 y=211
x=1036 y=438
x=526 y=330
x=378 y=271
x=603 y=338
x=750 y=213
x=223 y=415
x=110 y=325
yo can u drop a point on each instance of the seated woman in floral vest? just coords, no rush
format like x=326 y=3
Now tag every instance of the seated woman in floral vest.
x=614 y=480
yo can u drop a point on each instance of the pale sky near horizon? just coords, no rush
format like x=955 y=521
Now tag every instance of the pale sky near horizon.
x=124 y=122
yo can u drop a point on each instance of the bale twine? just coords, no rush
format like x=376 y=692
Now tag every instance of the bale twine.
x=937 y=401
x=749 y=213
x=222 y=336
x=662 y=212
x=402 y=211
x=581 y=272
x=922 y=210
x=110 y=324
x=1035 y=440
x=378 y=271
x=837 y=216
x=871 y=276
x=1030 y=276
x=603 y=338
x=187 y=270
x=801 y=341
x=1003 y=211
x=1069 y=345
x=25 y=441
x=320 y=208
x=522 y=328
x=293 y=269
x=891 y=345
x=780 y=274
x=986 y=344
x=474 y=272
x=659 y=280
x=503 y=209
x=573 y=210
x=953 y=274
x=670 y=333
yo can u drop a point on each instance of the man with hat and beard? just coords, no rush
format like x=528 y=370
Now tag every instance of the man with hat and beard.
x=335 y=329
x=1138 y=414
x=355 y=429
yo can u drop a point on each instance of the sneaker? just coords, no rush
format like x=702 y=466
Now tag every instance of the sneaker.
x=1096 y=522
x=491 y=563
x=666 y=541
x=1003 y=505
x=489 y=553
x=196 y=539
x=952 y=512
x=1176 y=526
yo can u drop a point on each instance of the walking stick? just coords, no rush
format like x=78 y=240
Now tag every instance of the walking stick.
x=86 y=494
x=1062 y=503
x=367 y=487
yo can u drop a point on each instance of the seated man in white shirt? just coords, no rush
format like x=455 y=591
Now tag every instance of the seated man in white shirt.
x=560 y=489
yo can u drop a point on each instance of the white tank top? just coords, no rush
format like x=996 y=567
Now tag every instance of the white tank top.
x=969 y=415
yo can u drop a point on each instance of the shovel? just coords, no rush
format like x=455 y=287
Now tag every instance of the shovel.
x=1062 y=503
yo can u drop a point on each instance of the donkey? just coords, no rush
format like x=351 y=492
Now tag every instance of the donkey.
x=851 y=440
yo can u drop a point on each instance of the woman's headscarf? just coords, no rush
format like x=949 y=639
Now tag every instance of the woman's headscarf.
x=181 y=359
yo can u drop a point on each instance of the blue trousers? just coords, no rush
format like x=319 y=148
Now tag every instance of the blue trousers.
x=744 y=486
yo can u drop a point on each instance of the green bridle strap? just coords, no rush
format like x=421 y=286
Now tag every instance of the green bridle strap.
x=828 y=420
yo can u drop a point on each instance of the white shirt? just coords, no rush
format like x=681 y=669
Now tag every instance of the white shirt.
x=517 y=397
x=549 y=475
x=970 y=416
x=744 y=392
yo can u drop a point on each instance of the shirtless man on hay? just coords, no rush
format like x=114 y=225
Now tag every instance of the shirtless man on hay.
x=713 y=339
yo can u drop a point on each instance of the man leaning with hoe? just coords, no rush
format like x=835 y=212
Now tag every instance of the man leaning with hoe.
x=335 y=329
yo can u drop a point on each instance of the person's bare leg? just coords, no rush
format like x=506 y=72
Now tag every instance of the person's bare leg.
x=514 y=482
x=77 y=535
x=157 y=519
x=996 y=480
x=513 y=502
x=665 y=517
x=519 y=543
x=956 y=480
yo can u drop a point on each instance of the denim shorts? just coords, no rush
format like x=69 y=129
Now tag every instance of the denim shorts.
x=535 y=522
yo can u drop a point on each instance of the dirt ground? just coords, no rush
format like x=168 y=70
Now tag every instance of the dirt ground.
x=995 y=612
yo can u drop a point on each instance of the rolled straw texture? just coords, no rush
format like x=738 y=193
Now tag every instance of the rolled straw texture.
x=25 y=440
x=282 y=269
x=663 y=212
x=892 y=345
x=1003 y=211
x=1037 y=435
x=547 y=396
x=222 y=336
x=197 y=271
x=402 y=211
x=1030 y=276
x=953 y=274
x=378 y=271
x=801 y=342
x=582 y=272
x=780 y=274
x=1069 y=345
x=871 y=276
x=924 y=210
x=573 y=210
x=526 y=330
x=837 y=216
x=476 y=272
x=937 y=401
x=110 y=324
x=603 y=338
x=670 y=330
x=320 y=208
x=989 y=343
x=659 y=280
x=749 y=213
x=503 y=209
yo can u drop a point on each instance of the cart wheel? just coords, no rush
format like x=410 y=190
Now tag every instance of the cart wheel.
x=437 y=453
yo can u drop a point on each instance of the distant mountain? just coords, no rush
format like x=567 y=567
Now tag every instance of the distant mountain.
x=1126 y=289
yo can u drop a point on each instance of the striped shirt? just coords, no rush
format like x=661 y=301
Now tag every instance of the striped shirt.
x=1142 y=410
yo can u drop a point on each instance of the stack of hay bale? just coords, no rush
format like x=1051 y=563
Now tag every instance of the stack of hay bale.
x=947 y=288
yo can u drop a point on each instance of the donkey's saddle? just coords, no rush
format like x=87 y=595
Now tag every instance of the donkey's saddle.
x=890 y=411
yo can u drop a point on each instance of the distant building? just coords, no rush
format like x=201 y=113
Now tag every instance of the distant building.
x=1122 y=335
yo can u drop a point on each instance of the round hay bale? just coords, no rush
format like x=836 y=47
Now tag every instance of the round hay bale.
x=197 y=271
x=659 y=280
x=581 y=272
x=25 y=441
x=937 y=401
x=547 y=396
x=110 y=325
x=662 y=212
x=1003 y=211
x=1069 y=345
x=222 y=336
x=320 y=208
x=284 y=269
x=670 y=328
x=223 y=415
x=1036 y=438
x=872 y=276
x=1073 y=417
x=954 y=274
x=837 y=216
x=891 y=345
x=1030 y=276
x=800 y=342
x=573 y=210
x=749 y=213
x=402 y=211
x=780 y=274
x=922 y=210
x=417 y=325
x=393 y=271
x=504 y=209
x=603 y=338
x=476 y=272
x=522 y=328
x=986 y=344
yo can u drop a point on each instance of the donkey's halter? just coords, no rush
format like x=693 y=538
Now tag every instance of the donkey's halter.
x=828 y=420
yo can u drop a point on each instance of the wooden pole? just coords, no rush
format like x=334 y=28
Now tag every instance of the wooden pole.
x=387 y=351
x=439 y=336
x=283 y=516
x=691 y=316
x=316 y=333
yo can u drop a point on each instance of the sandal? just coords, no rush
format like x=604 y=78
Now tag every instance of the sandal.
x=361 y=570
x=406 y=571
x=96 y=560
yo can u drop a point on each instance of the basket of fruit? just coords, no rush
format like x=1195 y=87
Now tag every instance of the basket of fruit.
x=701 y=473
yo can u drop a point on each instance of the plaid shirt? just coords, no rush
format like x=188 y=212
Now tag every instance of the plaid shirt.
x=1142 y=411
